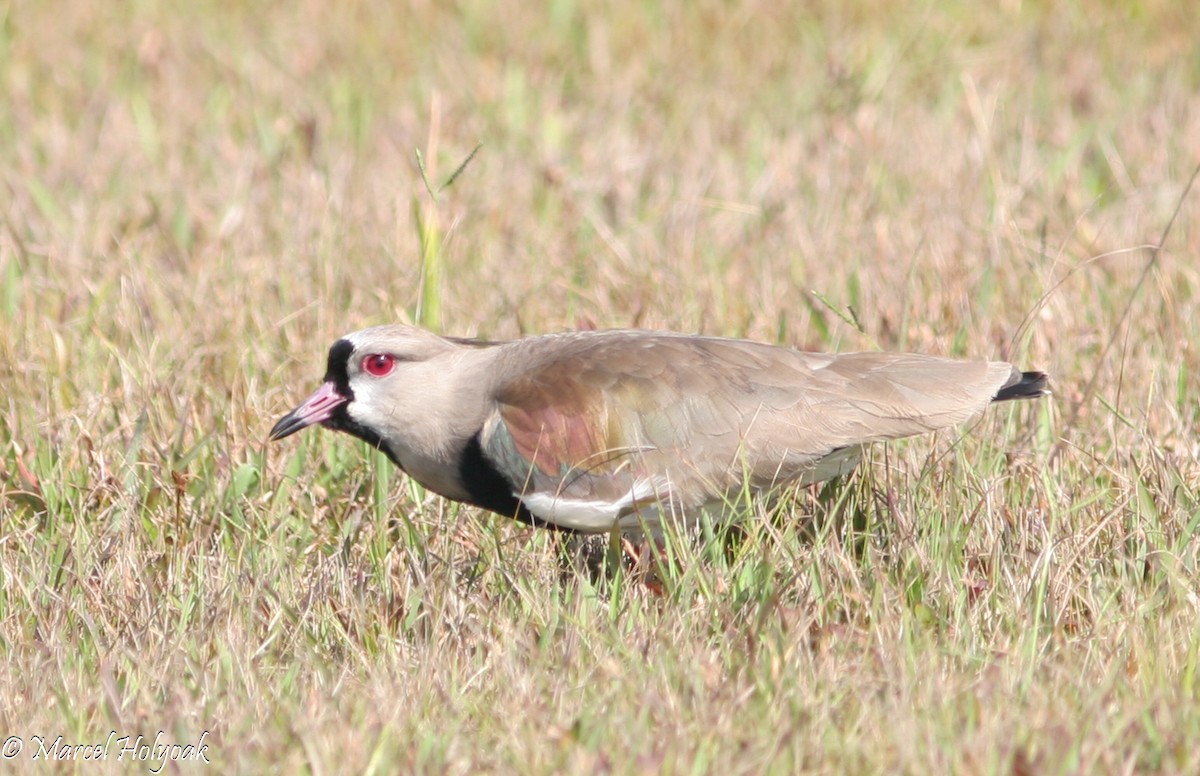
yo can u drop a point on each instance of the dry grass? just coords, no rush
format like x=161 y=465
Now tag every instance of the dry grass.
x=199 y=197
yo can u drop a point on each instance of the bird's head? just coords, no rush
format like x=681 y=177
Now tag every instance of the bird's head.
x=373 y=379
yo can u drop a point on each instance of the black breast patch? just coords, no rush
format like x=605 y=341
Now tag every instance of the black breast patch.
x=488 y=488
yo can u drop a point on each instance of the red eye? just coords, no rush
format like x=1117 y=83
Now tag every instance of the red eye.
x=379 y=364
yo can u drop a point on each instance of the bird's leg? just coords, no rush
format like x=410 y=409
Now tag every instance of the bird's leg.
x=641 y=559
x=616 y=547
x=651 y=556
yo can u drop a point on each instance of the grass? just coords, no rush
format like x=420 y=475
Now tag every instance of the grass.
x=198 y=198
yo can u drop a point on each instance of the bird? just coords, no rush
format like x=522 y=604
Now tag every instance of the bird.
x=625 y=430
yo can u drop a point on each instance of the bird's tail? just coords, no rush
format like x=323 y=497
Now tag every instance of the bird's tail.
x=1024 y=385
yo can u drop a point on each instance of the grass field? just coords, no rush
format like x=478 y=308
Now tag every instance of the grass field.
x=198 y=198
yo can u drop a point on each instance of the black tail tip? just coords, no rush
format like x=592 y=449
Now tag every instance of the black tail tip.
x=1025 y=385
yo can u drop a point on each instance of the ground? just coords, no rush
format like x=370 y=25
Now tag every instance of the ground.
x=198 y=198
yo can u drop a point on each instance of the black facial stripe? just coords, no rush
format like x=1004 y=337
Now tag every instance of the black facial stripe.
x=489 y=489
x=337 y=369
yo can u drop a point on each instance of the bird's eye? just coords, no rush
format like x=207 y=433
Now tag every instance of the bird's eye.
x=379 y=364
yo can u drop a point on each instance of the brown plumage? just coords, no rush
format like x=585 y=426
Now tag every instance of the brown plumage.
x=592 y=431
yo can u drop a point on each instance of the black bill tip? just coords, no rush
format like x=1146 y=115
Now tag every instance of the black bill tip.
x=289 y=424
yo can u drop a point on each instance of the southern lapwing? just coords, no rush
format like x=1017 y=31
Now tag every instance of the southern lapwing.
x=596 y=431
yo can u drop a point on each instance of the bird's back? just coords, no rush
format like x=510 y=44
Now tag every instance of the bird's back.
x=605 y=423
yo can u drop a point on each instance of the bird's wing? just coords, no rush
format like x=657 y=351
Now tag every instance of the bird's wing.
x=619 y=421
